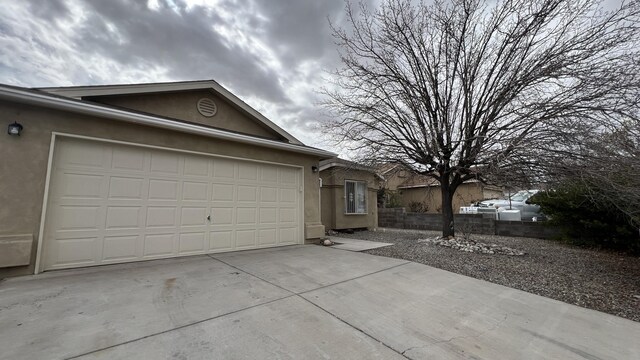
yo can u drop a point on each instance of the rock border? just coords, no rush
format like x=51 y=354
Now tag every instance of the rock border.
x=473 y=246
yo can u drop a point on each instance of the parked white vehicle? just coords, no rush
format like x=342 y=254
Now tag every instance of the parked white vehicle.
x=518 y=201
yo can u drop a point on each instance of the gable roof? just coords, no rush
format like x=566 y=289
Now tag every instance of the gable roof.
x=338 y=162
x=350 y=165
x=52 y=101
x=385 y=168
x=78 y=92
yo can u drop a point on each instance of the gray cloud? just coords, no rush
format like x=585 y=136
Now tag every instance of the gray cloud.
x=270 y=53
x=299 y=29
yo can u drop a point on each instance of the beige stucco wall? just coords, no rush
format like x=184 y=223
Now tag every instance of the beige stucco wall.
x=395 y=178
x=333 y=199
x=182 y=105
x=432 y=198
x=492 y=193
x=24 y=163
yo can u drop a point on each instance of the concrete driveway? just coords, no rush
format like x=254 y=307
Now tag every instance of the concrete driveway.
x=298 y=302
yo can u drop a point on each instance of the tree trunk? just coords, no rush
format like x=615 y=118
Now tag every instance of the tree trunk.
x=447 y=209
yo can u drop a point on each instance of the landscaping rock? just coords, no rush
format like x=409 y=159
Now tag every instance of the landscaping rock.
x=472 y=246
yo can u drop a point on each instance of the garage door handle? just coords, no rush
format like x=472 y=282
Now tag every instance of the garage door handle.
x=209 y=217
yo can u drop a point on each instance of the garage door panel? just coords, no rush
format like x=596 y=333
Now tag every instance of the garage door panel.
x=196 y=167
x=222 y=216
x=268 y=194
x=247 y=193
x=192 y=243
x=288 y=176
x=223 y=192
x=193 y=216
x=288 y=196
x=247 y=172
x=269 y=174
x=83 y=186
x=159 y=245
x=124 y=217
x=268 y=215
x=287 y=235
x=221 y=240
x=245 y=239
x=163 y=190
x=164 y=162
x=246 y=216
x=122 y=203
x=161 y=216
x=268 y=237
x=287 y=216
x=76 y=251
x=76 y=154
x=128 y=158
x=224 y=169
x=195 y=191
x=76 y=217
x=124 y=188
x=120 y=248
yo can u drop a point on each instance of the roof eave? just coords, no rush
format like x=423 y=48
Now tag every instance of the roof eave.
x=78 y=92
x=45 y=100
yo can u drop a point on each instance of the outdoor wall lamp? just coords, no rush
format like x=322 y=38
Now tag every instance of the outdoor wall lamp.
x=14 y=129
x=314 y=169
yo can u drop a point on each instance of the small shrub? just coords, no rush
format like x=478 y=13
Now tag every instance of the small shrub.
x=418 y=207
x=388 y=198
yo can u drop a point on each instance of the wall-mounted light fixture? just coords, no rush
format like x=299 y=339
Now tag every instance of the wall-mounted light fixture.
x=314 y=169
x=14 y=129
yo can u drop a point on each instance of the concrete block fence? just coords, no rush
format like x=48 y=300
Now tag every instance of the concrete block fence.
x=466 y=223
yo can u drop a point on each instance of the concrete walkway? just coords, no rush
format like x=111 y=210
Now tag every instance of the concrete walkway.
x=298 y=302
x=355 y=244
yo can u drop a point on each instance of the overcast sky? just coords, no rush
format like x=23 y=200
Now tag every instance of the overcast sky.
x=273 y=54
x=270 y=53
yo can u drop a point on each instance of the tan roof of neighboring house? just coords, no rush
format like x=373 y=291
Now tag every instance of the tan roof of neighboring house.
x=386 y=168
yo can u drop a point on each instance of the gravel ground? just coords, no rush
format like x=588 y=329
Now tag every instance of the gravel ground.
x=598 y=280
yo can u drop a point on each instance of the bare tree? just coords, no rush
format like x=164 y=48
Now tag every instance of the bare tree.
x=461 y=89
x=607 y=167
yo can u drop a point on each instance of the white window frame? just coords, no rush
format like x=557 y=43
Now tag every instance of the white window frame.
x=355 y=206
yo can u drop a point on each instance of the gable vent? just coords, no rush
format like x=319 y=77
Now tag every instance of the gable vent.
x=207 y=107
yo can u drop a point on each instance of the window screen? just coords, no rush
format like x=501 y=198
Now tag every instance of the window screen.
x=355 y=197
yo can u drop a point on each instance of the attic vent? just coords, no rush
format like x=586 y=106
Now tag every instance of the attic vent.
x=207 y=107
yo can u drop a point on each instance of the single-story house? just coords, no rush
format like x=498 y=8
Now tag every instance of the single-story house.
x=348 y=195
x=95 y=175
x=422 y=193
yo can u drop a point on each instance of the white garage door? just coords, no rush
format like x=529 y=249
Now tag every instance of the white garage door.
x=112 y=203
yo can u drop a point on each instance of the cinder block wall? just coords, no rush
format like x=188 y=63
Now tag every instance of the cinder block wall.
x=465 y=223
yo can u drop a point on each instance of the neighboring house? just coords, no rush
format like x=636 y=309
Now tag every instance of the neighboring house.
x=419 y=191
x=120 y=173
x=393 y=175
x=348 y=195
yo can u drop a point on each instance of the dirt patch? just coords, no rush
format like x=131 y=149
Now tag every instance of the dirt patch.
x=168 y=283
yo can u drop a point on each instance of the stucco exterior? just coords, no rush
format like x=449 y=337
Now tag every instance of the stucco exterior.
x=333 y=199
x=395 y=177
x=25 y=158
x=182 y=105
x=431 y=196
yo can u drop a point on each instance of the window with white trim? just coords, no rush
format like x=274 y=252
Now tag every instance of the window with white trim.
x=355 y=197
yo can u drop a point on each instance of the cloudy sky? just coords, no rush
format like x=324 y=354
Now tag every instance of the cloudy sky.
x=273 y=54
